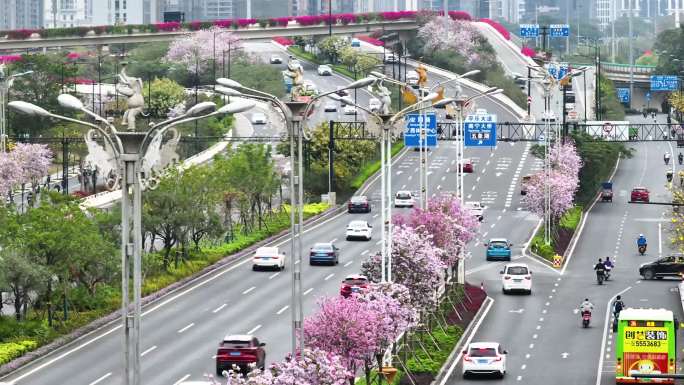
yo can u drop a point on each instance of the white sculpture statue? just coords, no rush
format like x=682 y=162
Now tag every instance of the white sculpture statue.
x=131 y=88
x=383 y=94
x=103 y=159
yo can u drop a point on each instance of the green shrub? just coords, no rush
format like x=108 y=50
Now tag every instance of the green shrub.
x=540 y=248
x=12 y=350
x=571 y=218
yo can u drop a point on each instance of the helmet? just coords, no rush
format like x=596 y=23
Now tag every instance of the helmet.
x=618 y=297
x=641 y=235
x=607 y=258
x=586 y=300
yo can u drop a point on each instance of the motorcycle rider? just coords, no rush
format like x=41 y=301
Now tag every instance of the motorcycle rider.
x=666 y=158
x=586 y=306
x=618 y=305
x=641 y=241
x=608 y=264
x=600 y=269
x=680 y=157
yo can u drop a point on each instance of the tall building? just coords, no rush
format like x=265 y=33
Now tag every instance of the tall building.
x=510 y=10
x=256 y=9
x=108 y=12
x=67 y=13
x=18 y=14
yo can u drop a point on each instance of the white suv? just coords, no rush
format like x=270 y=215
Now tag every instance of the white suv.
x=404 y=199
x=516 y=277
x=324 y=70
x=484 y=358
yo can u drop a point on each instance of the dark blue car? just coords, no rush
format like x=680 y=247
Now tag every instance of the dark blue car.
x=326 y=253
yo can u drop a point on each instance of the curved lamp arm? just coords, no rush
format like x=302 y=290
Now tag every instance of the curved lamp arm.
x=33 y=110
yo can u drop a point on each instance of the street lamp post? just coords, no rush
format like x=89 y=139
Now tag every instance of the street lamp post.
x=295 y=114
x=6 y=82
x=130 y=149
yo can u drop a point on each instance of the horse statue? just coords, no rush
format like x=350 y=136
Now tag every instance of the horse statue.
x=422 y=75
x=131 y=87
x=383 y=94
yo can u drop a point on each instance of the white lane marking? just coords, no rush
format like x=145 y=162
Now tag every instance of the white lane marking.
x=218 y=309
x=365 y=252
x=279 y=312
x=660 y=240
x=470 y=338
x=101 y=379
x=376 y=215
x=148 y=351
x=538 y=327
x=378 y=242
x=348 y=263
x=208 y=278
x=248 y=290
x=492 y=226
x=273 y=275
x=527 y=355
x=307 y=291
x=523 y=367
x=531 y=346
x=518 y=378
x=334 y=240
x=325 y=279
x=605 y=332
x=186 y=327
x=185 y=377
x=254 y=329
x=444 y=177
x=534 y=337
x=297 y=262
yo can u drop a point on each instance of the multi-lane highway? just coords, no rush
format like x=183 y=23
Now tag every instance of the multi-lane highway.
x=543 y=332
x=181 y=332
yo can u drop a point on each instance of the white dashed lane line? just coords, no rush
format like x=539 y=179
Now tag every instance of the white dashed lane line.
x=101 y=379
x=186 y=328
x=148 y=351
x=218 y=309
x=249 y=290
x=254 y=329
x=279 y=312
x=308 y=291
x=185 y=377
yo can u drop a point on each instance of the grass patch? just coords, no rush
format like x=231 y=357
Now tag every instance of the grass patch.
x=371 y=168
x=300 y=53
x=571 y=219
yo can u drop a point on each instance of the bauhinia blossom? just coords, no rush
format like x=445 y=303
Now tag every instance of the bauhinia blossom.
x=449 y=223
x=195 y=50
x=34 y=159
x=565 y=159
x=416 y=264
x=10 y=174
x=443 y=33
x=562 y=192
x=312 y=367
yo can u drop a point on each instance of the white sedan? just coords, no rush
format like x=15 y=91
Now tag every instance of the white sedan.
x=268 y=257
x=349 y=110
x=404 y=199
x=359 y=229
x=330 y=107
x=258 y=118
x=516 y=277
x=484 y=358
x=324 y=70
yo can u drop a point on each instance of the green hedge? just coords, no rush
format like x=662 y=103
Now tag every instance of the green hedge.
x=12 y=350
x=598 y=160
x=570 y=220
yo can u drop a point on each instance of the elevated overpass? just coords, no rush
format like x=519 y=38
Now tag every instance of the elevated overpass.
x=253 y=32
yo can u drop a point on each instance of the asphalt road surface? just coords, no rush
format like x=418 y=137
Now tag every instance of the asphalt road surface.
x=543 y=332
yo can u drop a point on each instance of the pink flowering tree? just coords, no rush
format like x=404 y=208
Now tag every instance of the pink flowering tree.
x=348 y=328
x=565 y=159
x=416 y=264
x=194 y=51
x=449 y=223
x=34 y=159
x=10 y=174
x=444 y=33
x=312 y=367
x=562 y=192
x=394 y=309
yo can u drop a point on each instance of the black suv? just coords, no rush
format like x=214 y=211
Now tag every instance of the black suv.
x=671 y=266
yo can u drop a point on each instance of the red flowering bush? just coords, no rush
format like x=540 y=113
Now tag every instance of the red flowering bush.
x=308 y=20
x=73 y=55
x=195 y=25
x=498 y=27
x=283 y=41
x=10 y=58
x=20 y=34
x=169 y=26
x=460 y=15
x=370 y=40
x=391 y=16
x=527 y=51
x=225 y=23
x=242 y=23
x=346 y=18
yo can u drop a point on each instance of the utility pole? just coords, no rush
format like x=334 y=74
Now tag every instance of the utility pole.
x=597 y=96
x=544 y=30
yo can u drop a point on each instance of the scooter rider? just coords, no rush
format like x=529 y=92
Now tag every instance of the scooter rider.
x=608 y=264
x=618 y=305
x=586 y=306
x=600 y=269
x=680 y=157
x=666 y=158
x=641 y=241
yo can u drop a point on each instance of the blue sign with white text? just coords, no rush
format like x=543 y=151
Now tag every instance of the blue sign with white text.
x=559 y=30
x=664 y=83
x=529 y=30
x=557 y=71
x=480 y=130
x=417 y=122
x=624 y=95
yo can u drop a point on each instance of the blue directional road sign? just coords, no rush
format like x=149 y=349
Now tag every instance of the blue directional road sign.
x=623 y=95
x=562 y=70
x=480 y=130
x=664 y=83
x=414 y=124
x=529 y=30
x=559 y=30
